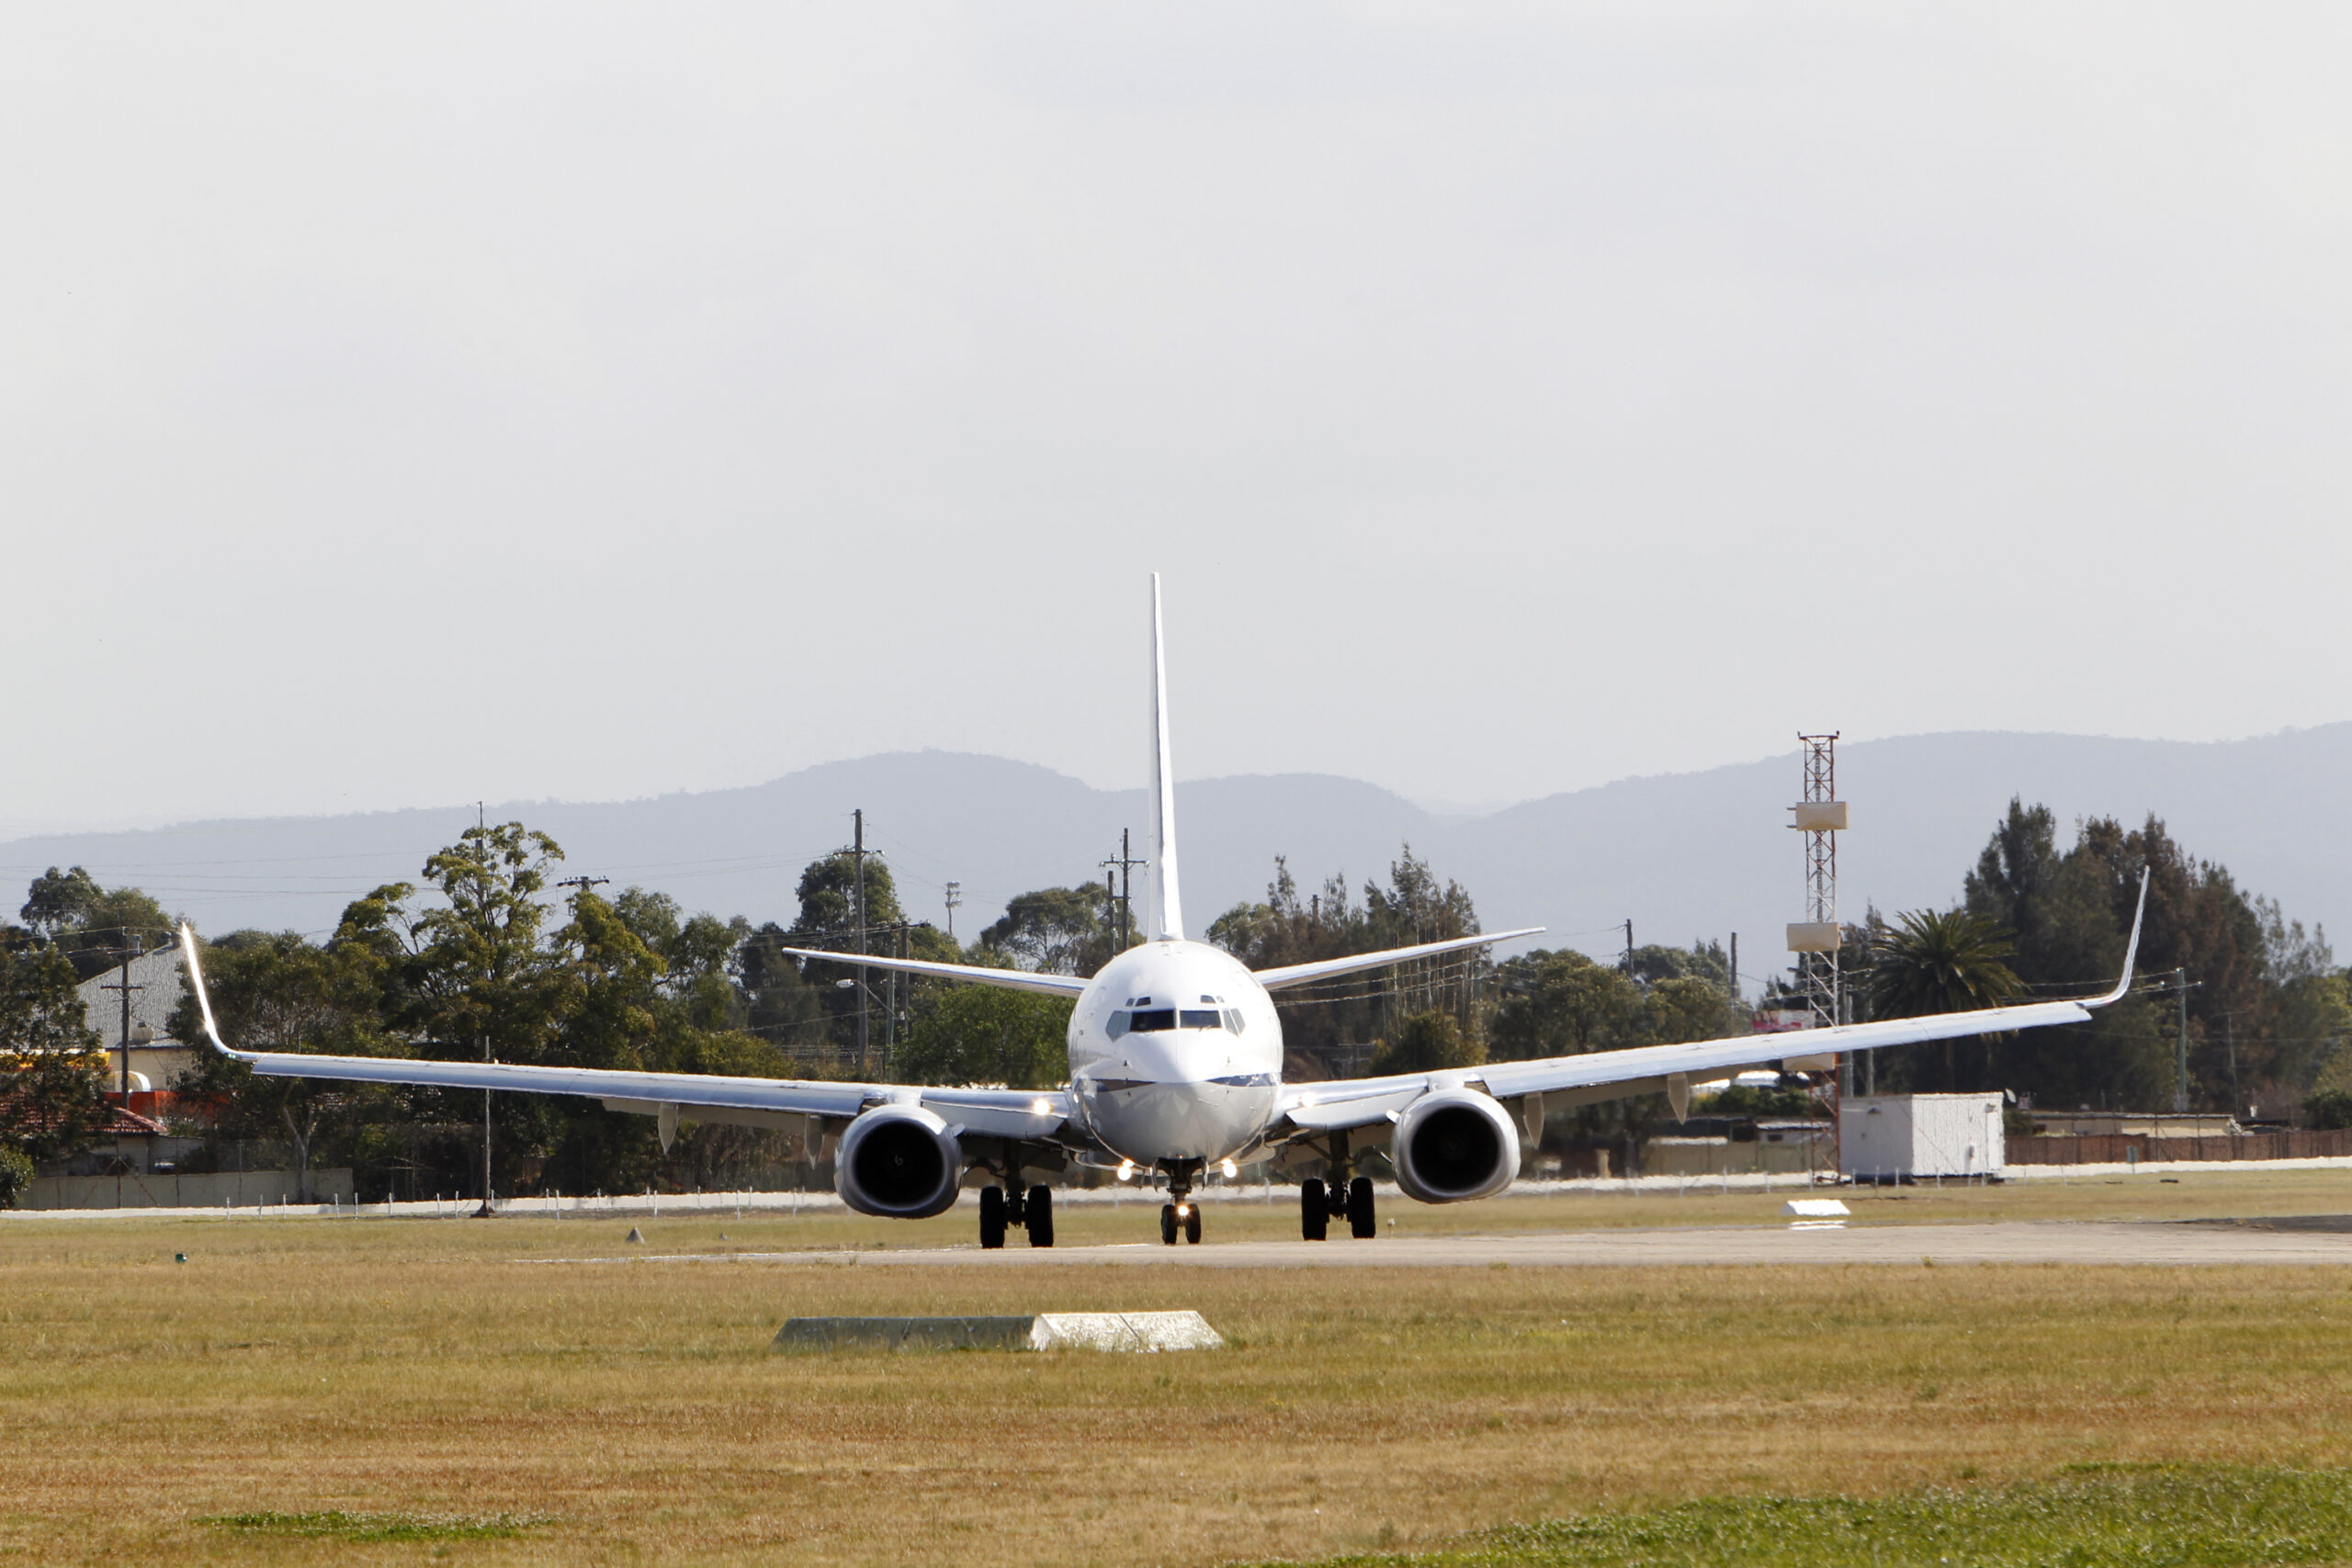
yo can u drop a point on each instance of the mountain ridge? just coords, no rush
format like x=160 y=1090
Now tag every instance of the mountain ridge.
x=1684 y=856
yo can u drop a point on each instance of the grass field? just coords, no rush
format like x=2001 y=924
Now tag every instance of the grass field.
x=402 y=1390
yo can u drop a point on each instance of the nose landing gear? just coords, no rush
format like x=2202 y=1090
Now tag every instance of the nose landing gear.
x=1181 y=1213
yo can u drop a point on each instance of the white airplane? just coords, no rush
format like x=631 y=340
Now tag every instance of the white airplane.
x=1175 y=1069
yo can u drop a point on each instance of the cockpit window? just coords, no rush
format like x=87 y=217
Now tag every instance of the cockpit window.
x=1153 y=1018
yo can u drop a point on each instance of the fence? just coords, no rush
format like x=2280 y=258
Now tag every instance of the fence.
x=168 y=1190
x=2117 y=1148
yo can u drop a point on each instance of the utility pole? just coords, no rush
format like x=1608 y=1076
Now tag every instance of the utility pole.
x=898 y=982
x=2181 y=1042
x=126 y=954
x=1629 y=949
x=584 y=883
x=485 y=1211
x=1126 y=864
x=955 y=902
x=859 y=851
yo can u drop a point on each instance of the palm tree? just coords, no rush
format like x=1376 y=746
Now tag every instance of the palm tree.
x=1948 y=960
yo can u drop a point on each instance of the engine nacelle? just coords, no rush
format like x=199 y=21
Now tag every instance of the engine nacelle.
x=1454 y=1146
x=899 y=1162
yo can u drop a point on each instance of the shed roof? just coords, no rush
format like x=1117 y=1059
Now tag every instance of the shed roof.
x=158 y=973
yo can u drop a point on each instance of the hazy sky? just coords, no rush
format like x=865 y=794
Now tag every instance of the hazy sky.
x=408 y=404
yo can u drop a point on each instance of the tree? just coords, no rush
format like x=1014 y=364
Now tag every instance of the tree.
x=1056 y=931
x=1287 y=929
x=982 y=1034
x=1948 y=960
x=1428 y=1042
x=2015 y=872
x=277 y=992
x=827 y=922
x=16 y=1173
x=779 y=1005
x=1685 y=1008
x=52 y=1075
x=485 y=979
x=1562 y=1004
x=2266 y=1000
x=2329 y=1110
x=90 y=924
x=828 y=895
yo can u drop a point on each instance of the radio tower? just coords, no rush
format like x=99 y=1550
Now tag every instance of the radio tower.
x=1820 y=817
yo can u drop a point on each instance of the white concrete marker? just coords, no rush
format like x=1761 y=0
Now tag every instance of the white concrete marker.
x=1815 y=1213
x=1146 y=1331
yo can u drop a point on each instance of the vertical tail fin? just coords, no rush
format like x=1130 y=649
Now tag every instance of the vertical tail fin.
x=1165 y=912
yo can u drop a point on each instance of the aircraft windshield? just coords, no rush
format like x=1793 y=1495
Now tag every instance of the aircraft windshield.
x=1147 y=1021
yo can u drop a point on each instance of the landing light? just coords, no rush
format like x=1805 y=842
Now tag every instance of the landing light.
x=1230 y=1170
x=1127 y=1170
x=1041 y=1106
x=1182 y=1209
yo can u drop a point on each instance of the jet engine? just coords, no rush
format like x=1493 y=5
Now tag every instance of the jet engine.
x=898 y=1161
x=1454 y=1146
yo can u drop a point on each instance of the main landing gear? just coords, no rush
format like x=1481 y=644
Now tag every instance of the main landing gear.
x=1319 y=1204
x=1033 y=1212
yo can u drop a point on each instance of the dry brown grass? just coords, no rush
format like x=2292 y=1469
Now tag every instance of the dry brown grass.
x=378 y=1366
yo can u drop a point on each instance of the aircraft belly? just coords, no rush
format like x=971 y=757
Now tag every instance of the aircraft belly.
x=1151 y=1122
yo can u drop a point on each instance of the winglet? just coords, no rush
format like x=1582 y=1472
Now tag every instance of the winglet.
x=2131 y=950
x=203 y=1001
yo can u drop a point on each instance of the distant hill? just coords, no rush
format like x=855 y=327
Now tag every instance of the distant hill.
x=1684 y=856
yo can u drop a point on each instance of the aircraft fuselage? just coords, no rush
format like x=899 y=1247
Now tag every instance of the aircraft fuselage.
x=1175 y=1055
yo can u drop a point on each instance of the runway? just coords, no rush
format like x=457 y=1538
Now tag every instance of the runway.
x=2151 y=1242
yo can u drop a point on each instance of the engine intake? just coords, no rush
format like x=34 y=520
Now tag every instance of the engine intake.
x=899 y=1162
x=1454 y=1146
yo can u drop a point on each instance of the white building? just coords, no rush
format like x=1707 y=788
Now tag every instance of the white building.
x=1890 y=1136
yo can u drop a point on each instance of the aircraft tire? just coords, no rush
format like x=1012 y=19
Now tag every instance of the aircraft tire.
x=991 y=1218
x=1041 y=1216
x=1314 y=1210
x=1168 y=1224
x=1192 y=1225
x=1361 y=1223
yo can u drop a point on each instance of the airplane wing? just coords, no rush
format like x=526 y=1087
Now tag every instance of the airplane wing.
x=758 y=1102
x=972 y=974
x=1312 y=1108
x=1300 y=974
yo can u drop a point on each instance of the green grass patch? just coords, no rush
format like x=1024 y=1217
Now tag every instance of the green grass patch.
x=334 y=1524
x=2088 y=1516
